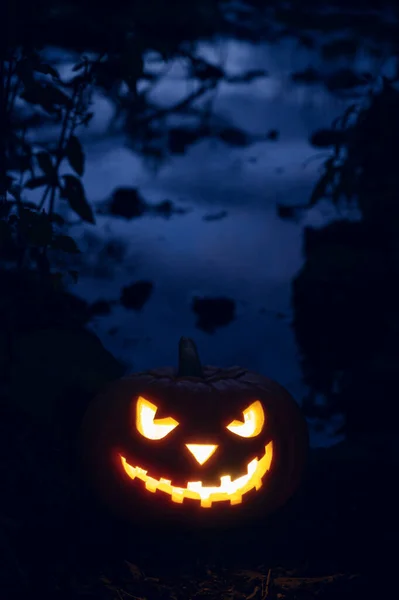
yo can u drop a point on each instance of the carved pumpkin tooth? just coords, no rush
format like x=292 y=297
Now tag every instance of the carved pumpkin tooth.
x=225 y=480
x=235 y=501
x=194 y=486
x=128 y=414
x=206 y=503
x=131 y=471
x=150 y=486
x=178 y=498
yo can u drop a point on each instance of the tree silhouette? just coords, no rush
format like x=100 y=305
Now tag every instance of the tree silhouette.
x=346 y=296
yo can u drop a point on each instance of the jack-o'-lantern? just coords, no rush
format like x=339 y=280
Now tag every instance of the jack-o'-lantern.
x=201 y=441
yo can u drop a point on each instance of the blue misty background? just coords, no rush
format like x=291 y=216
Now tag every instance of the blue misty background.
x=226 y=238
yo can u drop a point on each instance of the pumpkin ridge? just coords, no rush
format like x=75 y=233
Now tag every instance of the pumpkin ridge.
x=169 y=377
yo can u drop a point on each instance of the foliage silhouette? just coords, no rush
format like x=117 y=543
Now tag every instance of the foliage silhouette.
x=113 y=53
x=135 y=295
x=30 y=230
x=346 y=296
x=128 y=203
x=213 y=312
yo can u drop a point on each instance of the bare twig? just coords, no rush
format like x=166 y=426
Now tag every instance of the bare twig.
x=265 y=593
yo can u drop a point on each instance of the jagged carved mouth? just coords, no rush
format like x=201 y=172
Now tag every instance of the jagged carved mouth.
x=230 y=490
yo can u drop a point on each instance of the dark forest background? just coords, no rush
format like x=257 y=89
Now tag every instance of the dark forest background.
x=345 y=299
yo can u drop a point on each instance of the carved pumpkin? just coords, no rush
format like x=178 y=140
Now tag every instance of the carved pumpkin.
x=201 y=441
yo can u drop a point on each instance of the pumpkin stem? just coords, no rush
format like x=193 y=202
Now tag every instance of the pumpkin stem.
x=189 y=361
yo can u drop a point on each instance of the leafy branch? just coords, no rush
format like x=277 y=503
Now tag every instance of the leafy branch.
x=28 y=230
x=360 y=146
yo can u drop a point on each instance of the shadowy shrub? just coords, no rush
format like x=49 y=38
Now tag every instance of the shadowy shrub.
x=346 y=296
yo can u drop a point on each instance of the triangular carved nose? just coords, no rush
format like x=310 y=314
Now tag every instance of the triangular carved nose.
x=201 y=452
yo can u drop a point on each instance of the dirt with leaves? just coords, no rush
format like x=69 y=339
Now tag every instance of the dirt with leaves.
x=225 y=584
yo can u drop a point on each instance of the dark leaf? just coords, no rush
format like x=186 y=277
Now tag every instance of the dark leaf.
x=66 y=244
x=234 y=136
x=32 y=91
x=308 y=76
x=100 y=308
x=205 y=71
x=56 y=96
x=286 y=212
x=30 y=205
x=74 y=193
x=180 y=138
x=367 y=76
x=74 y=275
x=75 y=155
x=344 y=79
x=15 y=191
x=127 y=203
x=213 y=312
x=47 y=95
x=323 y=138
x=343 y=120
x=79 y=65
x=10 y=181
x=320 y=189
x=36 y=182
x=36 y=227
x=45 y=163
x=57 y=219
x=134 y=296
x=166 y=209
x=22 y=163
x=343 y=47
x=86 y=119
x=80 y=80
x=25 y=72
x=248 y=76
x=255 y=74
x=46 y=70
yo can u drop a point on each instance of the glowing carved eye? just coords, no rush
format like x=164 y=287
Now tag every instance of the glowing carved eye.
x=254 y=419
x=147 y=425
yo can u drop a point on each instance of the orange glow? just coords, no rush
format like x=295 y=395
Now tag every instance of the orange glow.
x=147 y=425
x=229 y=489
x=254 y=420
x=201 y=452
